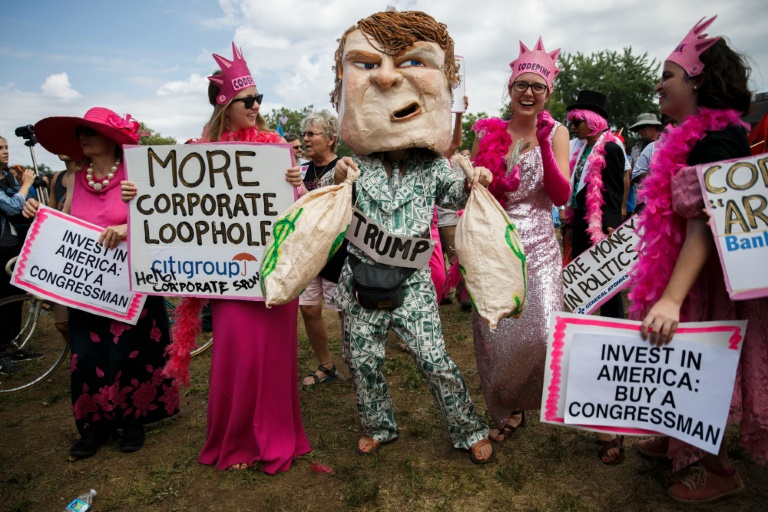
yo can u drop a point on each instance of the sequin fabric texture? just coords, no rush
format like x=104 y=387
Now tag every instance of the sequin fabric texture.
x=510 y=360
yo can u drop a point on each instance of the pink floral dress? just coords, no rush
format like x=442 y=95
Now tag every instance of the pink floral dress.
x=116 y=368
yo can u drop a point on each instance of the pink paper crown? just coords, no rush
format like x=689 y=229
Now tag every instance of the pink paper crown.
x=536 y=61
x=686 y=55
x=234 y=76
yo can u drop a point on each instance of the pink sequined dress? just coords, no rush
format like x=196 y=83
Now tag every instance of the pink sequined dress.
x=510 y=360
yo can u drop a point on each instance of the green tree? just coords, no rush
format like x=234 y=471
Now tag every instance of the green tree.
x=154 y=138
x=625 y=78
x=293 y=124
x=467 y=135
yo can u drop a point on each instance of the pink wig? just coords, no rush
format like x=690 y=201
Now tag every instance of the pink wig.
x=596 y=122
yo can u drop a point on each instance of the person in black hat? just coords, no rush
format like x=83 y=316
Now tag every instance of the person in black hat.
x=597 y=193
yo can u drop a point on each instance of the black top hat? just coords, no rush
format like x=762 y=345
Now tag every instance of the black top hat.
x=592 y=101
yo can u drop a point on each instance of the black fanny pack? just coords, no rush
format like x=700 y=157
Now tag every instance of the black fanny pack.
x=378 y=286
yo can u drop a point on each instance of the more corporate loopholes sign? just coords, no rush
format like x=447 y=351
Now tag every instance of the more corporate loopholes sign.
x=202 y=216
x=458 y=92
x=61 y=260
x=736 y=193
x=601 y=271
x=602 y=376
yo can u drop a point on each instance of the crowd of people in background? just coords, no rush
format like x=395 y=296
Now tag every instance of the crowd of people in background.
x=590 y=178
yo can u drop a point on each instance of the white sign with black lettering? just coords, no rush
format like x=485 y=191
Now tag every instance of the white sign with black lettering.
x=384 y=247
x=601 y=271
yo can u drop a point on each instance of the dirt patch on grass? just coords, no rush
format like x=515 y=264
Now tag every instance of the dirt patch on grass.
x=540 y=468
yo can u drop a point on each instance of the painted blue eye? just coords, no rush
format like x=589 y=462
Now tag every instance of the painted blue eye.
x=366 y=65
x=411 y=63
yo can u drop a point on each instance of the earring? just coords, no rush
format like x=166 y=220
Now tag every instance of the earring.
x=226 y=123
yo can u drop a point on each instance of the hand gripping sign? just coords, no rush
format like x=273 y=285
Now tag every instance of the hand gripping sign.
x=62 y=260
x=600 y=375
x=304 y=238
x=491 y=255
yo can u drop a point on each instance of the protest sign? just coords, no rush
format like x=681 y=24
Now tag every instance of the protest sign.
x=460 y=90
x=736 y=196
x=202 y=216
x=61 y=260
x=601 y=376
x=384 y=247
x=601 y=271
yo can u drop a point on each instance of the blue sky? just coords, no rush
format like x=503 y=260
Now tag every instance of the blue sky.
x=150 y=58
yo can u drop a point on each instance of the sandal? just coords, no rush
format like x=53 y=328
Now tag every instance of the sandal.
x=605 y=446
x=375 y=445
x=330 y=374
x=238 y=467
x=655 y=447
x=480 y=444
x=507 y=430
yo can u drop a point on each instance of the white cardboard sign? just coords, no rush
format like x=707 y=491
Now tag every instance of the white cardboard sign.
x=384 y=247
x=600 y=375
x=61 y=260
x=458 y=92
x=601 y=271
x=736 y=196
x=202 y=216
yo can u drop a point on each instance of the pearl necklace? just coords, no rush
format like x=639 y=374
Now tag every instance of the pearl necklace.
x=98 y=186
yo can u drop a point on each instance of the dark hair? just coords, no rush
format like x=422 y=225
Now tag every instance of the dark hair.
x=213 y=90
x=290 y=137
x=724 y=82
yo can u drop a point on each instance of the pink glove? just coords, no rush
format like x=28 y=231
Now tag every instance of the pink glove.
x=557 y=186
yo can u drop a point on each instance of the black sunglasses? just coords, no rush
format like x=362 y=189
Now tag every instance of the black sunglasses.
x=85 y=130
x=576 y=122
x=248 y=101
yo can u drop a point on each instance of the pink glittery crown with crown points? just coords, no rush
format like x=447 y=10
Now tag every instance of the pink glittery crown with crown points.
x=536 y=61
x=234 y=76
x=687 y=53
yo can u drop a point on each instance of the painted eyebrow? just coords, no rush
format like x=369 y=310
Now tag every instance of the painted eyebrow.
x=361 y=54
x=425 y=51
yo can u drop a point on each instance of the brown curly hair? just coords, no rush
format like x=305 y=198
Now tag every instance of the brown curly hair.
x=396 y=32
x=724 y=81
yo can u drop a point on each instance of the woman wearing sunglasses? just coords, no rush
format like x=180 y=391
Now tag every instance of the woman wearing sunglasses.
x=510 y=360
x=117 y=380
x=253 y=400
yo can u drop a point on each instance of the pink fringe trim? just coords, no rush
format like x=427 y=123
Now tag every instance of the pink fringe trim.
x=250 y=135
x=664 y=230
x=493 y=146
x=184 y=333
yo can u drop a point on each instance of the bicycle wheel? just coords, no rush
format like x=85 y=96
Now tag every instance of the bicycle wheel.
x=37 y=334
x=204 y=339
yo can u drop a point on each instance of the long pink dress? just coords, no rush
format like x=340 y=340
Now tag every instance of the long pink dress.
x=253 y=400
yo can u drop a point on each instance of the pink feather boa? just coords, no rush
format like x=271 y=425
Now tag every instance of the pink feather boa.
x=493 y=146
x=187 y=325
x=595 y=187
x=663 y=231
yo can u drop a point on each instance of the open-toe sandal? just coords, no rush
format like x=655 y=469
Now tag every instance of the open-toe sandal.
x=507 y=430
x=330 y=374
x=603 y=447
x=375 y=445
x=480 y=444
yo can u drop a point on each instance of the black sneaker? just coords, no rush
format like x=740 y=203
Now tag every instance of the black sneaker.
x=87 y=445
x=25 y=355
x=8 y=367
x=133 y=439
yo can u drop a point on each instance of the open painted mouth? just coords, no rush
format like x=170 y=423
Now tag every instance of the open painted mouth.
x=410 y=111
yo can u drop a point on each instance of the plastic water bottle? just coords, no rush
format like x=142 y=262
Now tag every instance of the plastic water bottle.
x=82 y=503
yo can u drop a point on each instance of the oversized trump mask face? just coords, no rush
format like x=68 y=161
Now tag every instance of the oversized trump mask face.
x=391 y=102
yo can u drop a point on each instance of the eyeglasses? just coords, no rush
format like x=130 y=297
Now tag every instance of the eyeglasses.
x=521 y=86
x=310 y=134
x=85 y=130
x=576 y=122
x=296 y=147
x=248 y=101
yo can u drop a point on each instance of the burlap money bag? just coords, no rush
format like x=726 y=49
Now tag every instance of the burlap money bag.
x=491 y=256
x=303 y=240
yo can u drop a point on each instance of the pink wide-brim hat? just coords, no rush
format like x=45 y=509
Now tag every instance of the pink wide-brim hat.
x=57 y=134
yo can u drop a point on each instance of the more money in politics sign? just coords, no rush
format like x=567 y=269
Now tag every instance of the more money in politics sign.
x=62 y=260
x=736 y=197
x=202 y=216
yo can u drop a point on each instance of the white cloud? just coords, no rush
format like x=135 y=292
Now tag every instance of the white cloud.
x=196 y=84
x=58 y=86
